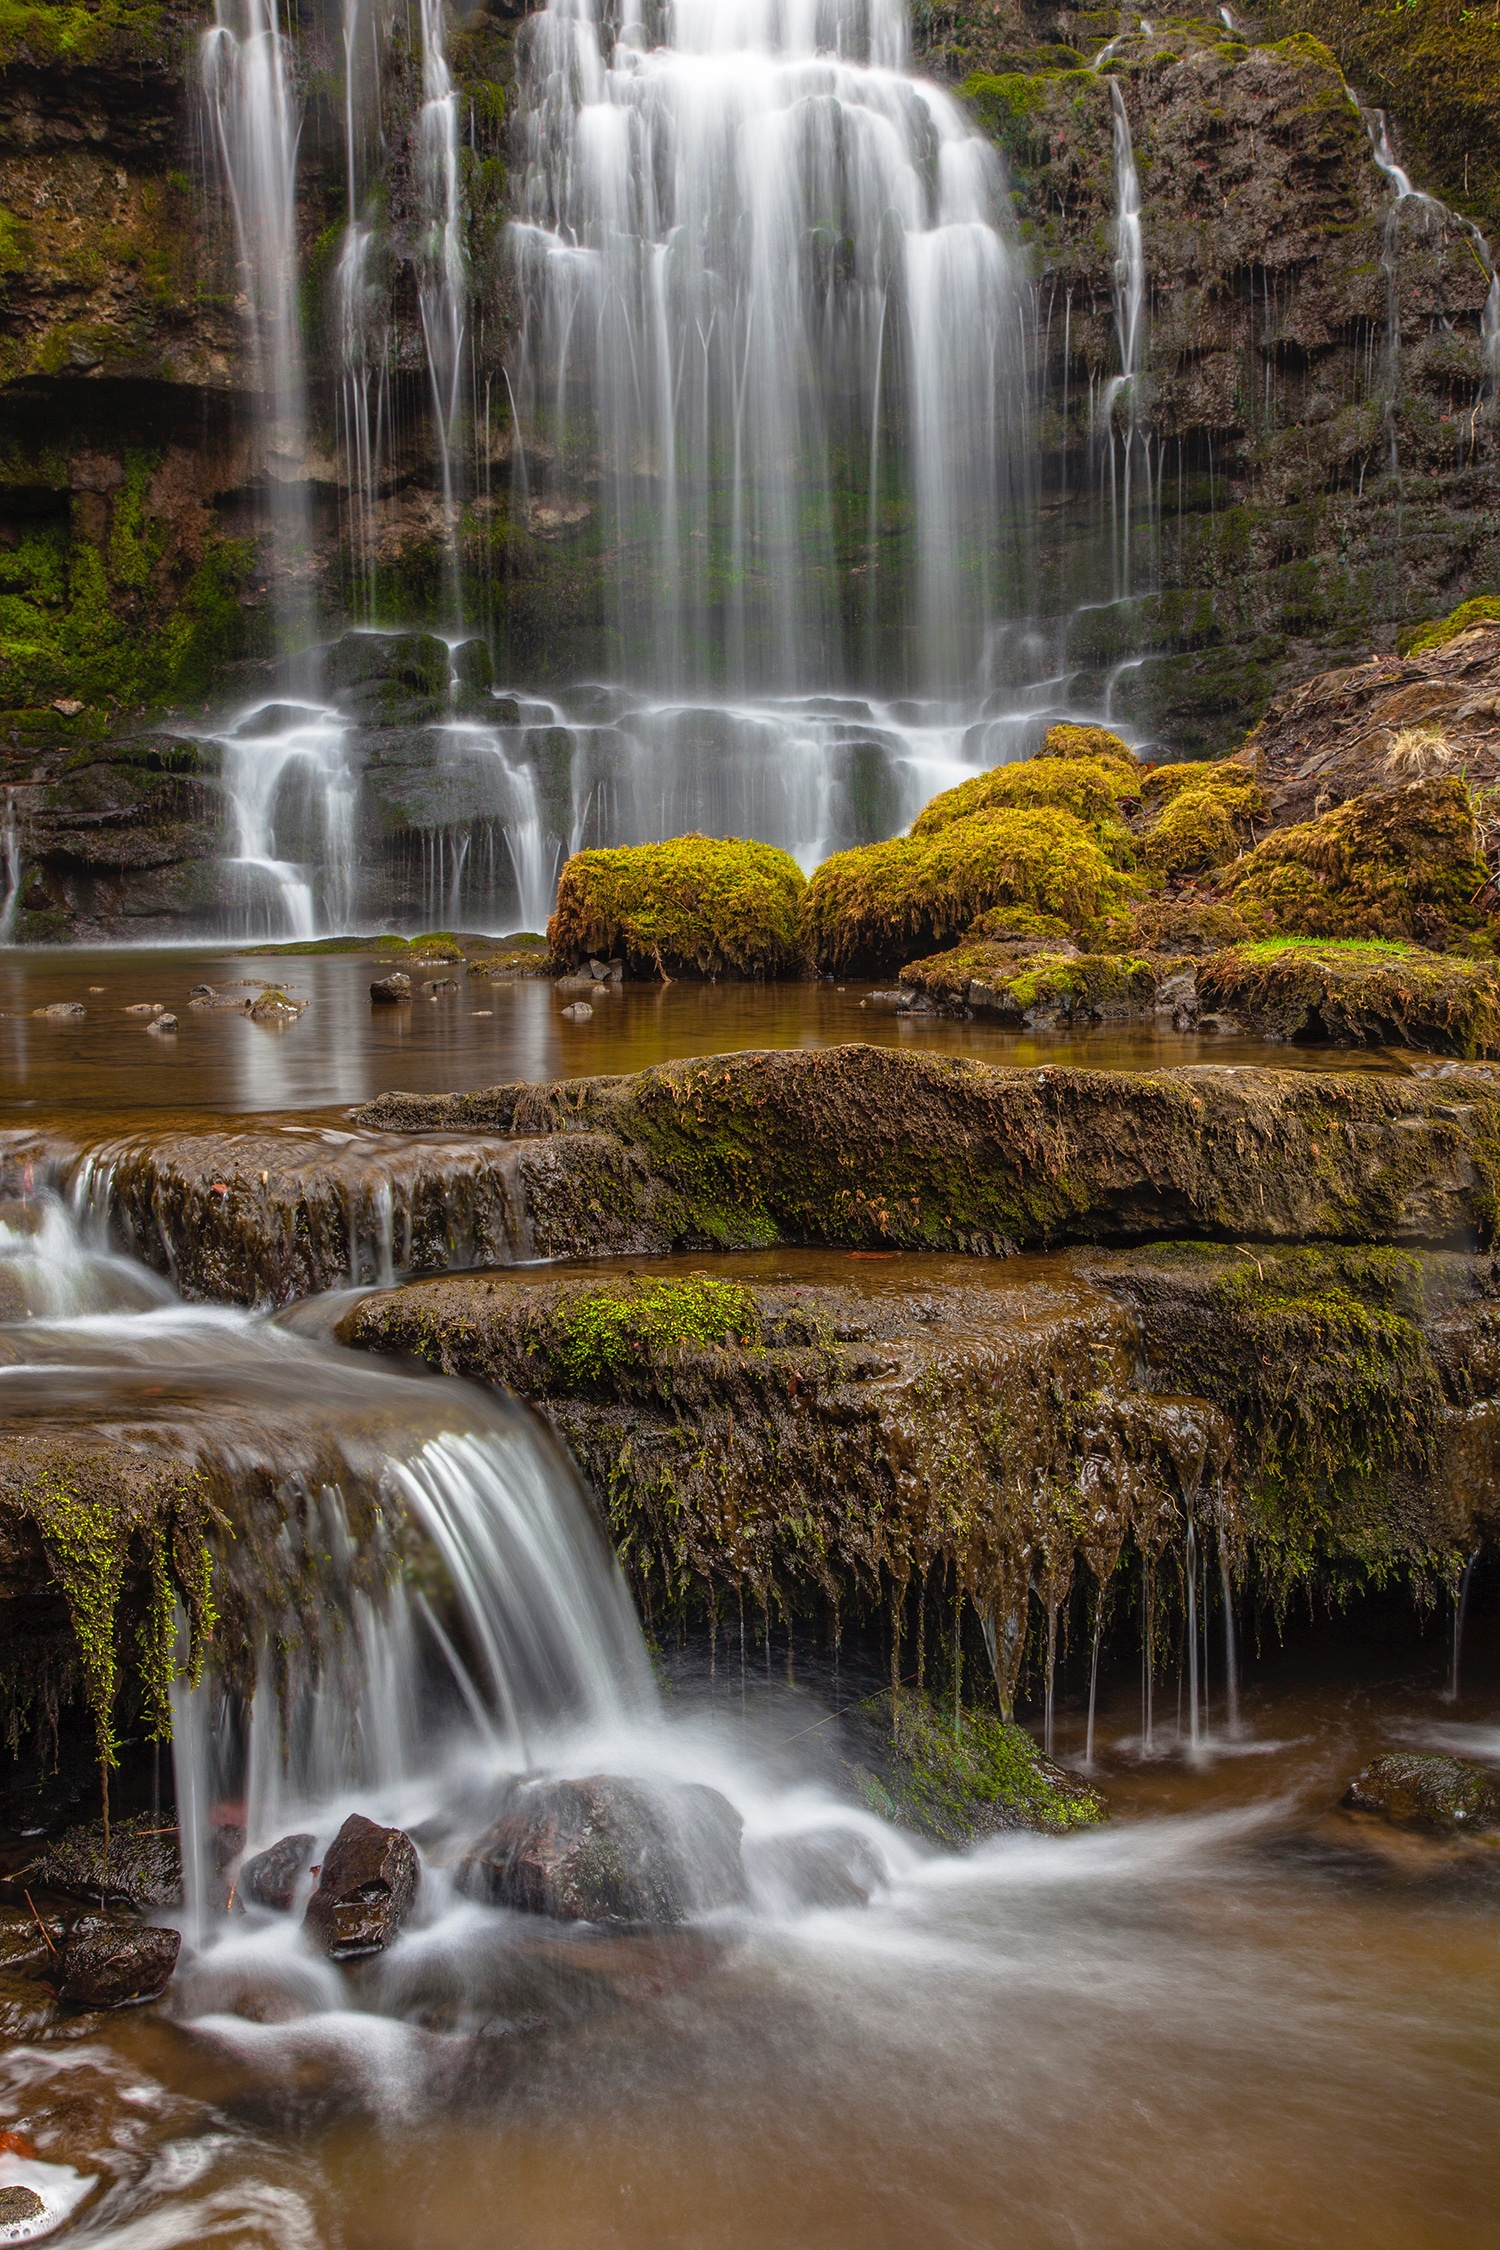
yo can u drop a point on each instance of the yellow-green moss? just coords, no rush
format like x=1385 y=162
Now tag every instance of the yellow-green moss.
x=695 y=905
x=1204 y=815
x=1484 y=609
x=958 y=1780
x=1396 y=863
x=1368 y=991
x=879 y=905
x=1187 y=926
x=611 y=1329
x=988 y=975
x=1068 y=741
x=1092 y=789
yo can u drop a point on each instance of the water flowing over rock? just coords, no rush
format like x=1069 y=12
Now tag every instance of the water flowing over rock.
x=605 y=1849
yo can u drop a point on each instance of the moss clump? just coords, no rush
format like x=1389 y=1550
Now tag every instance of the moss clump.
x=1179 y=927
x=1484 y=609
x=1370 y=992
x=1201 y=815
x=959 y=1781
x=608 y=1331
x=1068 y=741
x=1092 y=789
x=1073 y=986
x=875 y=907
x=693 y=906
x=82 y=35
x=1396 y=863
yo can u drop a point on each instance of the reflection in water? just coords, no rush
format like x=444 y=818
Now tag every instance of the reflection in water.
x=342 y=1050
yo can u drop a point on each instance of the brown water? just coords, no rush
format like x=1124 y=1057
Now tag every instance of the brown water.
x=1232 y=2017
x=343 y=1050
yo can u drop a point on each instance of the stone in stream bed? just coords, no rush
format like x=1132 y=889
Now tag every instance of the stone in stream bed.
x=1413 y=1789
x=62 y=1011
x=115 y=1964
x=162 y=1023
x=579 y=1012
x=20 y=2206
x=389 y=992
x=819 y=1867
x=143 y=1867
x=271 y=1877
x=366 y=1889
x=610 y=1850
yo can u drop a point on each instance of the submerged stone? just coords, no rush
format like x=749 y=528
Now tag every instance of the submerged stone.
x=607 y=1849
x=113 y=1965
x=390 y=991
x=1413 y=1789
x=366 y=1889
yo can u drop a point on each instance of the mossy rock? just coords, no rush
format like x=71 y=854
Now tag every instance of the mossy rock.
x=1037 y=984
x=1451 y=1796
x=1092 y=789
x=1184 y=927
x=1068 y=741
x=694 y=906
x=873 y=908
x=1393 y=863
x=1201 y=815
x=1366 y=991
x=957 y=1779
x=1436 y=632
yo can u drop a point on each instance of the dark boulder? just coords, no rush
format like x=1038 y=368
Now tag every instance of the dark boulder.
x=142 y=1866
x=367 y=1885
x=114 y=1964
x=1413 y=1789
x=389 y=992
x=604 y=1849
x=271 y=1877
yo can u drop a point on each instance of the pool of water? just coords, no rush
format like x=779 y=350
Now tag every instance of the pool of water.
x=342 y=1050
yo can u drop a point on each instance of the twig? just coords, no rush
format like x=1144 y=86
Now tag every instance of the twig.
x=1250 y=1254
x=41 y=1925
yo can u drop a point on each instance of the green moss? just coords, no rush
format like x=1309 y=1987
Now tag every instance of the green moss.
x=1092 y=789
x=1395 y=863
x=1203 y=815
x=956 y=1783
x=79 y=34
x=1188 y=926
x=1484 y=609
x=609 y=1330
x=1367 y=991
x=695 y=905
x=877 y=906
x=984 y=974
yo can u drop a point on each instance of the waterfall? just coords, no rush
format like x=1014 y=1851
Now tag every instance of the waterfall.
x=10 y=867
x=1130 y=297
x=443 y=286
x=362 y=312
x=762 y=276
x=254 y=125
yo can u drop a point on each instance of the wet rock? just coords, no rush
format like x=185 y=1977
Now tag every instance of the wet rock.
x=271 y=1877
x=432 y=986
x=825 y=1867
x=20 y=2206
x=115 y=1964
x=200 y=992
x=142 y=1866
x=274 y=1007
x=163 y=1022
x=579 y=1012
x=1223 y=1026
x=365 y=1891
x=143 y=1008
x=1412 y=1789
x=575 y=984
x=389 y=991
x=62 y=1011
x=605 y=1849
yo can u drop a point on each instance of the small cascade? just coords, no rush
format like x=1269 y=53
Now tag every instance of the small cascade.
x=10 y=867
x=444 y=274
x=1231 y=1654
x=291 y=794
x=362 y=309
x=1190 y=1576
x=763 y=274
x=253 y=127
x=1460 y=1607
x=1118 y=413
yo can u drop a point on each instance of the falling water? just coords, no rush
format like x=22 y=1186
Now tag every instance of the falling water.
x=1231 y=1657
x=254 y=125
x=1130 y=296
x=762 y=272
x=1190 y=1572
x=444 y=282
x=10 y=866
x=362 y=309
x=1460 y=1606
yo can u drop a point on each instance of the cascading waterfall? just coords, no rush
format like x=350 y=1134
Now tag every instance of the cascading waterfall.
x=763 y=275
x=1123 y=390
x=362 y=304
x=254 y=126
x=10 y=866
x=444 y=275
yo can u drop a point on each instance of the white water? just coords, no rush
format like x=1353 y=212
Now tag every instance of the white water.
x=443 y=271
x=10 y=866
x=254 y=125
x=362 y=306
x=764 y=281
x=1120 y=399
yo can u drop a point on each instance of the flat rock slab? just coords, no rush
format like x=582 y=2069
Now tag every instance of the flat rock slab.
x=858 y=1146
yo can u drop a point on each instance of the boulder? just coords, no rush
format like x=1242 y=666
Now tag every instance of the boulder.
x=271 y=1877
x=389 y=992
x=163 y=1022
x=62 y=1011
x=607 y=1849
x=142 y=1865
x=367 y=1887
x=1414 y=1789
x=579 y=1012
x=821 y=1867
x=115 y=1964
x=432 y=986
x=274 y=1006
